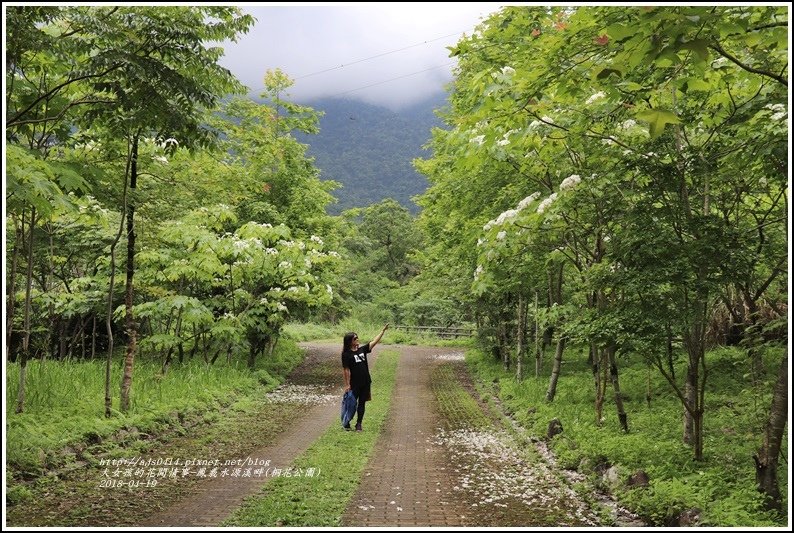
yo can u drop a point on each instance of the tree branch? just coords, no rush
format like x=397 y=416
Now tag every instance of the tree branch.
x=720 y=50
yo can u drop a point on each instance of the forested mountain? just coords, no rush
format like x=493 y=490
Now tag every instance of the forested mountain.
x=369 y=149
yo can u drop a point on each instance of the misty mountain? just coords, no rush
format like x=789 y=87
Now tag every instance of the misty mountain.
x=369 y=149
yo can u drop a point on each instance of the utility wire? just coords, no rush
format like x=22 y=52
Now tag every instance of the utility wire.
x=375 y=56
x=392 y=79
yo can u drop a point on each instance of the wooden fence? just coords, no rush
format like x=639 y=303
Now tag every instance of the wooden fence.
x=450 y=332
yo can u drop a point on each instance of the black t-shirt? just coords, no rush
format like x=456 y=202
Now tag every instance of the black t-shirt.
x=359 y=368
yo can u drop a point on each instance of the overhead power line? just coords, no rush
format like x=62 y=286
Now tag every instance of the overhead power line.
x=392 y=79
x=376 y=56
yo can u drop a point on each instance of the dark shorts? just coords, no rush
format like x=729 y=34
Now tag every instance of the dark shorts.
x=364 y=393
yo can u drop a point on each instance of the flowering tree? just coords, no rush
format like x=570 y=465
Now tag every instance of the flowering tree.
x=654 y=139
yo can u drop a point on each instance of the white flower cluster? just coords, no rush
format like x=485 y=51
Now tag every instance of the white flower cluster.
x=318 y=240
x=478 y=139
x=508 y=71
x=501 y=235
x=597 y=96
x=628 y=124
x=523 y=204
x=547 y=202
x=329 y=289
x=281 y=307
x=284 y=265
x=570 y=182
x=479 y=272
x=779 y=111
x=161 y=159
x=271 y=251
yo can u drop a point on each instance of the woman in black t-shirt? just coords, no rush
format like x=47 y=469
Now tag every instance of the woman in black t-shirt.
x=355 y=369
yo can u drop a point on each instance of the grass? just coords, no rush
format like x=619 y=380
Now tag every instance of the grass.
x=64 y=410
x=324 y=332
x=722 y=486
x=321 y=500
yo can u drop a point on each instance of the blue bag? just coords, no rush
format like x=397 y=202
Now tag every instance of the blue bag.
x=348 y=407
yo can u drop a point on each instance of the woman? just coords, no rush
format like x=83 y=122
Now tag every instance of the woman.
x=355 y=369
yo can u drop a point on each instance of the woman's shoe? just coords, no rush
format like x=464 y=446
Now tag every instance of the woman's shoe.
x=358 y=427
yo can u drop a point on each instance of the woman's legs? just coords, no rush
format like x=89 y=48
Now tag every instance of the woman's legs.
x=362 y=395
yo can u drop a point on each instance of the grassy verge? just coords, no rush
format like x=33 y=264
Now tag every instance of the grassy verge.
x=338 y=457
x=326 y=332
x=722 y=487
x=63 y=425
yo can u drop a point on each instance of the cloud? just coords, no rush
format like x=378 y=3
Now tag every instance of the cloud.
x=304 y=41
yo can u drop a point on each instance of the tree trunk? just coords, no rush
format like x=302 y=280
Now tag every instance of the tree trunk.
x=599 y=396
x=504 y=350
x=613 y=374
x=23 y=363
x=690 y=397
x=555 y=371
x=126 y=380
x=111 y=285
x=521 y=336
x=538 y=350
x=19 y=240
x=766 y=460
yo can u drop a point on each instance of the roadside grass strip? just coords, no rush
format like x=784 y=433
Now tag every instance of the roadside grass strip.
x=325 y=477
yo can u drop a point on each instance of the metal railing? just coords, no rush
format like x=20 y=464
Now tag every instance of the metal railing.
x=444 y=332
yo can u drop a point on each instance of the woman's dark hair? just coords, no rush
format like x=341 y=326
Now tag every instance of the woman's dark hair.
x=347 y=341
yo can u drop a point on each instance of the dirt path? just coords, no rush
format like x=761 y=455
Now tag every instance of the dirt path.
x=408 y=481
x=211 y=502
x=454 y=464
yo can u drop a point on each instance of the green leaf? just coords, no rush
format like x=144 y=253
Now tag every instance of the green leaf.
x=699 y=46
x=605 y=73
x=657 y=118
x=620 y=32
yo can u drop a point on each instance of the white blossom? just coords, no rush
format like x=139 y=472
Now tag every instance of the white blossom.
x=307 y=262
x=479 y=242
x=501 y=235
x=775 y=107
x=318 y=240
x=333 y=254
x=628 y=124
x=503 y=142
x=271 y=251
x=281 y=307
x=292 y=289
x=507 y=215
x=528 y=200
x=508 y=71
x=547 y=202
x=284 y=265
x=547 y=119
x=329 y=289
x=478 y=139
x=161 y=159
x=779 y=116
x=479 y=272
x=596 y=96
x=570 y=182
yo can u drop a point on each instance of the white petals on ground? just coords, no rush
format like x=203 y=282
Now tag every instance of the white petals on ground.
x=493 y=471
x=302 y=394
x=455 y=356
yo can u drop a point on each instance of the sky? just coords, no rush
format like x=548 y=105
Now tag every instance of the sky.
x=305 y=40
